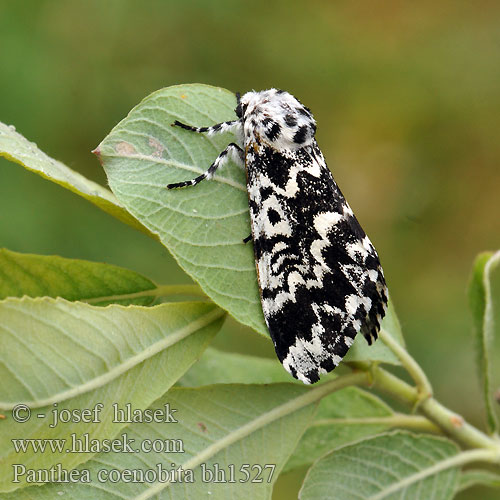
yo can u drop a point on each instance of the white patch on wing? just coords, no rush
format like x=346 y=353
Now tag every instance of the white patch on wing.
x=336 y=359
x=279 y=261
x=354 y=274
x=291 y=188
x=280 y=245
x=314 y=168
x=262 y=224
x=348 y=340
x=323 y=223
x=271 y=306
x=254 y=192
x=299 y=359
x=356 y=324
x=357 y=251
x=368 y=244
x=348 y=210
x=354 y=302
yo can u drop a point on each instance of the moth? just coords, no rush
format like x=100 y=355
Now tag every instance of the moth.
x=319 y=275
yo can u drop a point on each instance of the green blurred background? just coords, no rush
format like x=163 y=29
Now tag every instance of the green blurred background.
x=407 y=100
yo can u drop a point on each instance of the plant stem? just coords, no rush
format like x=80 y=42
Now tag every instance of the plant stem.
x=454 y=425
x=421 y=398
x=394 y=386
x=451 y=423
x=412 y=367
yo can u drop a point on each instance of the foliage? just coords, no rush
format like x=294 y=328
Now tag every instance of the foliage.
x=76 y=334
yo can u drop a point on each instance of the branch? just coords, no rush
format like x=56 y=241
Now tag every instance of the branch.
x=451 y=423
x=412 y=367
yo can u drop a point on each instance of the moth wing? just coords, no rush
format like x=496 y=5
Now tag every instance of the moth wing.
x=319 y=275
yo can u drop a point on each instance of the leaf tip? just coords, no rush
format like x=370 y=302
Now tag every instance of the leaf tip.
x=97 y=152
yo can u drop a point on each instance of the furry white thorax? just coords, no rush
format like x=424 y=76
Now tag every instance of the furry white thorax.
x=275 y=108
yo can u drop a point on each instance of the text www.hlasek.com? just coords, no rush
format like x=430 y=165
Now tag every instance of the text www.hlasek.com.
x=85 y=444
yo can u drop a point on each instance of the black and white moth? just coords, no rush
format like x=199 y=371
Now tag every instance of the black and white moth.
x=319 y=276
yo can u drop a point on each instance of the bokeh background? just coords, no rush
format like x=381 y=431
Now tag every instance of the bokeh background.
x=407 y=100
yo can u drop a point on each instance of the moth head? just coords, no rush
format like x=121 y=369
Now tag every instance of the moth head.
x=276 y=118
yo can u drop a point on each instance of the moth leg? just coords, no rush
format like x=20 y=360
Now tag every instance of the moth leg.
x=247 y=239
x=232 y=151
x=229 y=126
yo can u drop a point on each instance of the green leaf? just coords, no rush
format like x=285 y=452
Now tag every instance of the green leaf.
x=72 y=356
x=203 y=227
x=337 y=422
x=396 y=465
x=217 y=367
x=481 y=305
x=72 y=279
x=227 y=425
x=16 y=148
x=391 y=324
x=39 y=336
x=472 y=477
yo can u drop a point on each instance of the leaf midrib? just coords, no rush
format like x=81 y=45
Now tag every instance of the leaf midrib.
x=128 y=364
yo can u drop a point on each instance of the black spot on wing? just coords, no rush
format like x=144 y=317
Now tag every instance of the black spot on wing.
x=274 y=216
